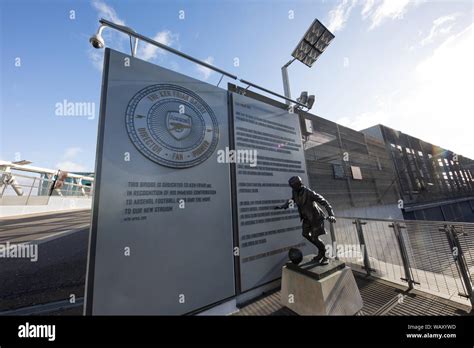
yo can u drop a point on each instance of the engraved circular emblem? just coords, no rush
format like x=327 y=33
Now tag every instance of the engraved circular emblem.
x=172 y=126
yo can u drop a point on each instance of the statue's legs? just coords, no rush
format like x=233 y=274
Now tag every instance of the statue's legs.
x=312 y=233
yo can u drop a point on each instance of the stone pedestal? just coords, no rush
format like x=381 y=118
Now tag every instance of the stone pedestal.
x=311 y=289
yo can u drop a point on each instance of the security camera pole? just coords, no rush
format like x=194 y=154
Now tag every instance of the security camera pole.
x=98 y=42
x=308 y=50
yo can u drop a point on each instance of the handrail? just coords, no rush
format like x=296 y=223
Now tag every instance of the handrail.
x=431 y=256
x=39 y=170
x=406 y=221
x=42 y=184
x=136 y=35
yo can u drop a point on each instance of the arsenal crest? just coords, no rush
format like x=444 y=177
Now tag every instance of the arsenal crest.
x=172 y=126
x=179 y=125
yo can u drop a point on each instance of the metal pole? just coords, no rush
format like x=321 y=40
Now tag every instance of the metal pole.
x=286 y=83
x=31 y=189
x=403 y=252
x=4 y=187
x=4 y=179
x=138 y=36
x=360 y=234
x=271 y=92
x=130 y=32
x=53 y=184
x=135 y=47
x=286 y=80
x=458 y=256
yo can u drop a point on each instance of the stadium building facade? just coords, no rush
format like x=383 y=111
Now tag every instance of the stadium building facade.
x=435 y=183
x=382 y=173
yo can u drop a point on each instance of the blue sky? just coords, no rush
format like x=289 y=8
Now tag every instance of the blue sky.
x=406 y=64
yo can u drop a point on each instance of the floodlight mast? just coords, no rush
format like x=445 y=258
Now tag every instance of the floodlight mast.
x=286 y=80
x=308 y=50
x=98 y=42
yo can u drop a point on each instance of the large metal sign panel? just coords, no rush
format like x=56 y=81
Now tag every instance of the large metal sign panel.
x=161 y=239
x=266 y=234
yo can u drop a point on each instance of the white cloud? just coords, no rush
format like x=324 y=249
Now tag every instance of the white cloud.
x=150 y=52
x=339 y=15
x=436 y=105
x=441 y=26
x=68 y=161
x=70 y=166
x=205 y=72
x=174 y=65
x=121 y=41
x=377 y=11
x=72 y=152
x=96 y=57
x=389 y=9
x=380 y=114
x=112 y=38
x=364 y=120
x=107 y=12
x=368 y=7
x=444 y=95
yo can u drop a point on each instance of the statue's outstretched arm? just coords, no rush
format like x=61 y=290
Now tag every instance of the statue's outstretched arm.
x=285 y=205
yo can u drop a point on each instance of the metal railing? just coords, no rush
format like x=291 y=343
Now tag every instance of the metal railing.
x=431 y=256
x=35 y=190
x=126 y=30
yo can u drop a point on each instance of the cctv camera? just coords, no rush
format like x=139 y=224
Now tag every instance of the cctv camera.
x=303 y=97
x=310 y=101
x=97 y=41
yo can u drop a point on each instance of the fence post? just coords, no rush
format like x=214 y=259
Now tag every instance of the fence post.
x=4 y=184
x=458 y=257
x=403 y=252
x=360 y=234
x=29 y=193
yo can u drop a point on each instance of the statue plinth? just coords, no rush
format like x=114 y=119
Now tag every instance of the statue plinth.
x=312 y=289
x=314 y=270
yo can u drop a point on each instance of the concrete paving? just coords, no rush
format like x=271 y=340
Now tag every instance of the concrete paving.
x=60 y=270
x=42 y=226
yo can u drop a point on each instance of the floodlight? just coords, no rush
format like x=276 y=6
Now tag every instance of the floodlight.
x=303 y=97
x=308 y=61
x=311 y=46
x=310 y=101
x=313 y=43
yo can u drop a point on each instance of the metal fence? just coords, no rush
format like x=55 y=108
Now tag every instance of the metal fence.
x=432 y=256
x=19 y=189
